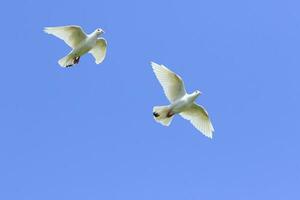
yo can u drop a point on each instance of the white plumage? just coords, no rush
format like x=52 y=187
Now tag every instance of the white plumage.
x=80 y=42
x=181 y=102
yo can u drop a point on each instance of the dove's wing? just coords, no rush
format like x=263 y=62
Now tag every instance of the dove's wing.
x=72 y=35
x=99 y=50
x=198 y=116
x=172 y=84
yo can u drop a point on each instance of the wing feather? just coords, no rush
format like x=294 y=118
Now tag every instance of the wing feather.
x=99 y=51
x=71 y=35
x=171 y=83
x=198 y=116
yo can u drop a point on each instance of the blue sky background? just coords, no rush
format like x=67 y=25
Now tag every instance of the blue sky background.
x=87 y=132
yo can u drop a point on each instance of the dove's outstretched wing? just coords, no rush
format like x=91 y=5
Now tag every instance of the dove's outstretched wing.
x=198 y=116
x=99 y=51
x=172 y=84
x=72 y=35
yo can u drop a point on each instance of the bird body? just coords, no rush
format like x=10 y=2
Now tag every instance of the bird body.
x=80 y=43
x=180 y=102
x=183 y=103
x=82 y=48
x=85 y=45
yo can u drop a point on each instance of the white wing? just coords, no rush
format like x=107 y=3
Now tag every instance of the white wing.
x=72 y=35
x=99 y=51
x=172 y=84
x=198 y=116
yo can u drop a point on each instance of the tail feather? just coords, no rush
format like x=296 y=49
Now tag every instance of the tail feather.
x=161 y=115
x=66 y=61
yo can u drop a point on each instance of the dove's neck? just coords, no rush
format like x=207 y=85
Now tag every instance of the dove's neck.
x=94 y=35
x=193 y=96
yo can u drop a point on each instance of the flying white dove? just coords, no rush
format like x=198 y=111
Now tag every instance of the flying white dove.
x=181 y=102
x=80 y=42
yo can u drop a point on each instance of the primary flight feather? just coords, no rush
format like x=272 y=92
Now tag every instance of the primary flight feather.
x=181 y=102
x=80 y=42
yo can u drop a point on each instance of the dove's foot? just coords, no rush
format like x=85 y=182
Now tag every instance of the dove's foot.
x=170 y=114
x=69 y=66
x=76 y=60
x=155 y=114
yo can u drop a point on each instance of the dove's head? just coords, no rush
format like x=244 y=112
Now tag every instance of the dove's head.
x=99 y=31
x=197 y=93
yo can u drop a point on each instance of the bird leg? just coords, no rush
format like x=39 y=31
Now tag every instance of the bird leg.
x=155 y=114
x=170 y=114
x=76 y=60
x=69 y=65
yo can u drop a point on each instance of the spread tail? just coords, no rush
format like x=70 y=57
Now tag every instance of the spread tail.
x=163 y=115
x=66 y=61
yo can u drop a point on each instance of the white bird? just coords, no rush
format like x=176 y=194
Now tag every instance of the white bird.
x=181 y=102
x=80 y=42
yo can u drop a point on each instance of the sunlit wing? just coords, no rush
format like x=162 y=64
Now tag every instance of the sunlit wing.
x=99 y=51
x=172 y=84
x=72 y=35
x=198 y=116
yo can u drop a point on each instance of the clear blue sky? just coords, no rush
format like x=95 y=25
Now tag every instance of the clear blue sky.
x=87 y=132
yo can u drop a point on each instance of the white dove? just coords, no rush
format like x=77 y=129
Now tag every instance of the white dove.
x=80 y=42
x=181 y=102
